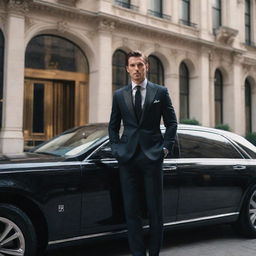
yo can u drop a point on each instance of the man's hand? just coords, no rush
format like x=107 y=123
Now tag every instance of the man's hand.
x=166 y=152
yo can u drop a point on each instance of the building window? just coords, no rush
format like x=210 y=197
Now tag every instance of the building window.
x=156 y=70
x=119 y=74
x=185 y=12
x=156 y=8
x=247 y=17
x=184 y=91
x=248 y=106
x=216 y=14
x=218 y=97
x=52 y=52
x=126 y=4
x=1 y=74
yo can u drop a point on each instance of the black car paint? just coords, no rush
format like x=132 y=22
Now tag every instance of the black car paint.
x=82 y=198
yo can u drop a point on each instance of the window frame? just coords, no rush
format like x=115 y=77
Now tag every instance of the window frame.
x=248 y=25
x=185 y=78
x=248 y=106
x=2 y=52
x=216 y=15
x=218 y=85
x=159 y=70
x=118 y=68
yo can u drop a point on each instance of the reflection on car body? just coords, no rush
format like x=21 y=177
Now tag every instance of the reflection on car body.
x=68 y=188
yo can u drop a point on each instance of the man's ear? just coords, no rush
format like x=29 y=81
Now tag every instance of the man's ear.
x=147 y=67
x=127 y=69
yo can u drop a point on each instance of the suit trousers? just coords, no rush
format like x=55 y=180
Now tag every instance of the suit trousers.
x=138 y=175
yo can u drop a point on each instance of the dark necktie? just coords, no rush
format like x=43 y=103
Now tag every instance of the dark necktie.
x=138 y=102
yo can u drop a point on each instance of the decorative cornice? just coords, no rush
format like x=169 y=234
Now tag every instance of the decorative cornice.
x=68 y=2
x=18 y=6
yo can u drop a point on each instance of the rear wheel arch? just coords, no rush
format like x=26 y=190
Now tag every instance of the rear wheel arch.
x=245 y=225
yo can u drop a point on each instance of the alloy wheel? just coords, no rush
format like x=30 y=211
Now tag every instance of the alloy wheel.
x=12 y=241
x=252 y=209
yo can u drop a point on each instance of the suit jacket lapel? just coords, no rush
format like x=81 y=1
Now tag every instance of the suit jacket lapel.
x=150 y=95
x=128 y=100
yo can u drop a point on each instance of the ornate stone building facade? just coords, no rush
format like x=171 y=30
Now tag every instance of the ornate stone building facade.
x=61 y=60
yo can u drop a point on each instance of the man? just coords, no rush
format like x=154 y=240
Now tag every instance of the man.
x=141 y=149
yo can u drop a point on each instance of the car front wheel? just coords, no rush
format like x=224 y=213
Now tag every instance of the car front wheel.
x=247 y=220
x=17 y=234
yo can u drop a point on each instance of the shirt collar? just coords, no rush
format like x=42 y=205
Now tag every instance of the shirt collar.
x=143 y=84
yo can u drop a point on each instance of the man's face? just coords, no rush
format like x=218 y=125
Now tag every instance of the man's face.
x=137 y=69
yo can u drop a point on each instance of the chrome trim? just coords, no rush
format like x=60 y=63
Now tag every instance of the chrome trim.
x=29 y=167
x=201 y=219
x=145 y=227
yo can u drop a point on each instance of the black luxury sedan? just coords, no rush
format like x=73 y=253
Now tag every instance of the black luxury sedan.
x=68 y=189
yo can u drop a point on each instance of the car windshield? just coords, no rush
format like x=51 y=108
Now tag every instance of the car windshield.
x=74 y=142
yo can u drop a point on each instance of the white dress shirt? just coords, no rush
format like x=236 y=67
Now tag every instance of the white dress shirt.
x=143 y=89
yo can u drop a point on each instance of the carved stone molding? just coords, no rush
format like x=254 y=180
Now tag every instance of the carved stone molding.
x=69 y=2
x=106 y=25
x=62 y=26
x=238 y=58
x=18 y=6
x=3 y=19
x=226 y=35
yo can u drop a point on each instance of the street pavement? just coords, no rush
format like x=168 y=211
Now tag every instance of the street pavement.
x=219 y=240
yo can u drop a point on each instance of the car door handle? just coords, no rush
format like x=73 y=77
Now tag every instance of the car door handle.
x=169 y=169
x=239 y=167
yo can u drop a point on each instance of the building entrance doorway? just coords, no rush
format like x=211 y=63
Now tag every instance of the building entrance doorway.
x=52 y=106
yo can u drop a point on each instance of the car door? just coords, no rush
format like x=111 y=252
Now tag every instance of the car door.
x=102 y=204
x=212 y=175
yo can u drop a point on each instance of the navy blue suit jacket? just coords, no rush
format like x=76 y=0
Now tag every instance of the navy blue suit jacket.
x=146 y=131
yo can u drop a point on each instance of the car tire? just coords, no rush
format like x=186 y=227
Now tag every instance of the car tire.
x=247 y=218
x=17 y=232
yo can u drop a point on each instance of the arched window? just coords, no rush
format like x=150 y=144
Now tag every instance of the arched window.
x=247 y=21
x=248 y=106
x=53 y=52
x=216 y=14
x=218 y=97
x=1 y=74
x=156 y=70
x=119 y=74
x=184 y=91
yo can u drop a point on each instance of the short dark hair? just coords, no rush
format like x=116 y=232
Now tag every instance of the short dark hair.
x=136 y=53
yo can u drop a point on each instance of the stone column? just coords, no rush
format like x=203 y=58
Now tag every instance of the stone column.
x=11 y=136
x=100 y=96
x=237 y=113
x=205 y=86
x=172 y=81
x=204 y=19
x=200 y=90
x=175 y=11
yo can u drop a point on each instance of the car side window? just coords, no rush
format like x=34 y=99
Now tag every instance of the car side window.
x=104 y=152
x=200 y=144
x=175 y=153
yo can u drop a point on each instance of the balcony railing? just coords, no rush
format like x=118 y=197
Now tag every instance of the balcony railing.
x=126 y=5
x=159 y=15
x=188 y=23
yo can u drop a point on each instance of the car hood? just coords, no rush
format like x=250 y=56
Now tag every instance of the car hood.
x=28 y=157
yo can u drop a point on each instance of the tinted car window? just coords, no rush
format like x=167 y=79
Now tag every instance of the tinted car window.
x=199 y=144
x=104 y=152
